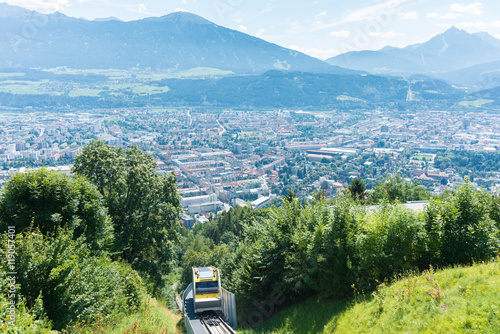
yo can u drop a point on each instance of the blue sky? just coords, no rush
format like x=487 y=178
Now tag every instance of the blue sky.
x=320 y=28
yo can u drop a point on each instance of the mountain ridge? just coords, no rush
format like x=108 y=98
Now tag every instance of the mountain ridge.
x=176 y=41
x=449 y=51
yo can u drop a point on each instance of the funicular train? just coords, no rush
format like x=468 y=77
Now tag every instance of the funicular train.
x=207 y=291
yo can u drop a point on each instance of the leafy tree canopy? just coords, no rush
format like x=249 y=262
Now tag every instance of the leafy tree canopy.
x=396 y=189
x=144 y=205
x=48 y=200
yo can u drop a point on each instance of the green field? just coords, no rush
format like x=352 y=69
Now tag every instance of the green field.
x=454 y=300
x=9 y=75
x=477 y=103
x=84 y=92
x=115 y=74
x=422 y=157
x=112 y=74
x=348 y=98
x=136 y=88
x=27 y=87
x=251 y=132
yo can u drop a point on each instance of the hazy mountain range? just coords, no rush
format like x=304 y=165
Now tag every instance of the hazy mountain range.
x=471 y=60
x=298 y=89
x=182 y=41
x=177 y=41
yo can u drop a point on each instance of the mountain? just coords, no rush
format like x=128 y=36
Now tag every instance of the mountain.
x=488 y=38
x=297 y=89
x=272 y=89
x=377 y=62
x=488 y=94
x=452 y=50
x=478 y=77
x=177 y=41
x=111 y=18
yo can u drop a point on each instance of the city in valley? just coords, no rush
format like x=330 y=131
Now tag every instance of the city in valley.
x=224 y=158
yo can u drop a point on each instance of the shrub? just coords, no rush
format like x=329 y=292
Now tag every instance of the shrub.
x=73 y=285
x=459 y=228
x=48 y=200
x=391 y=240
x=33 y=322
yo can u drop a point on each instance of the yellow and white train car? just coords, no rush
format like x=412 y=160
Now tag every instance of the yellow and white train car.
x=206 y=289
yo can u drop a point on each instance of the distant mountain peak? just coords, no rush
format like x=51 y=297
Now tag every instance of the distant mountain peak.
x=111 y=18
x=448 y=51
x=185 y=17
x=7 y=10
x=454 y=31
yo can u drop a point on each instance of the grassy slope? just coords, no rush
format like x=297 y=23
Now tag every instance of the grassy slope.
x=156 y=318
x=455 y=300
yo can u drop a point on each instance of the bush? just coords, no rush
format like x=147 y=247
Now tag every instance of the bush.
x=25 y=321
x=460 y=229
x=48 y=200
x=73 y=285
x=391 y=240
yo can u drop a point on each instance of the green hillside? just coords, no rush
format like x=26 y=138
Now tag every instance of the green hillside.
x=455 y=300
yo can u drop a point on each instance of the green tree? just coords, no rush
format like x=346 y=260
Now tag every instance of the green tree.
x=48 y=200
x=144 y=205
x=460 y=229
x=396 y=189
x=357 y=189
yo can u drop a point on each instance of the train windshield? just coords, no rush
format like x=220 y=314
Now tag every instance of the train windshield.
x=203 y=288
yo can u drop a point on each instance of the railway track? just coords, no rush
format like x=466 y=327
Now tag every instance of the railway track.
x=214 y=324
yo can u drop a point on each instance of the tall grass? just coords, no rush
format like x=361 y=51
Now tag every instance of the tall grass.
x=454 y=300
x=155 y=318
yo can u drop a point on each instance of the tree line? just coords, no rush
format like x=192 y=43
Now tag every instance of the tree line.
x=342 y=247
x=92 y=244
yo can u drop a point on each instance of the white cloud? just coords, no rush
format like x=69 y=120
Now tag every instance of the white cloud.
x=260 y=32
x=371 y=13
x=317 y=53
x=242 y=28
x=408 y=16
x=41 y=5
x=459 y=10
x=387 y=34
x=237 y=17
x=475 y=8
x=341 y=33
x=178 y=9
x=383 y=12
x=268 y=8
x=449 y=16
x=480 y=25
x=142 y=8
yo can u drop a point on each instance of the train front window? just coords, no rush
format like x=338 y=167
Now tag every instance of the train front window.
x=204 y=288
